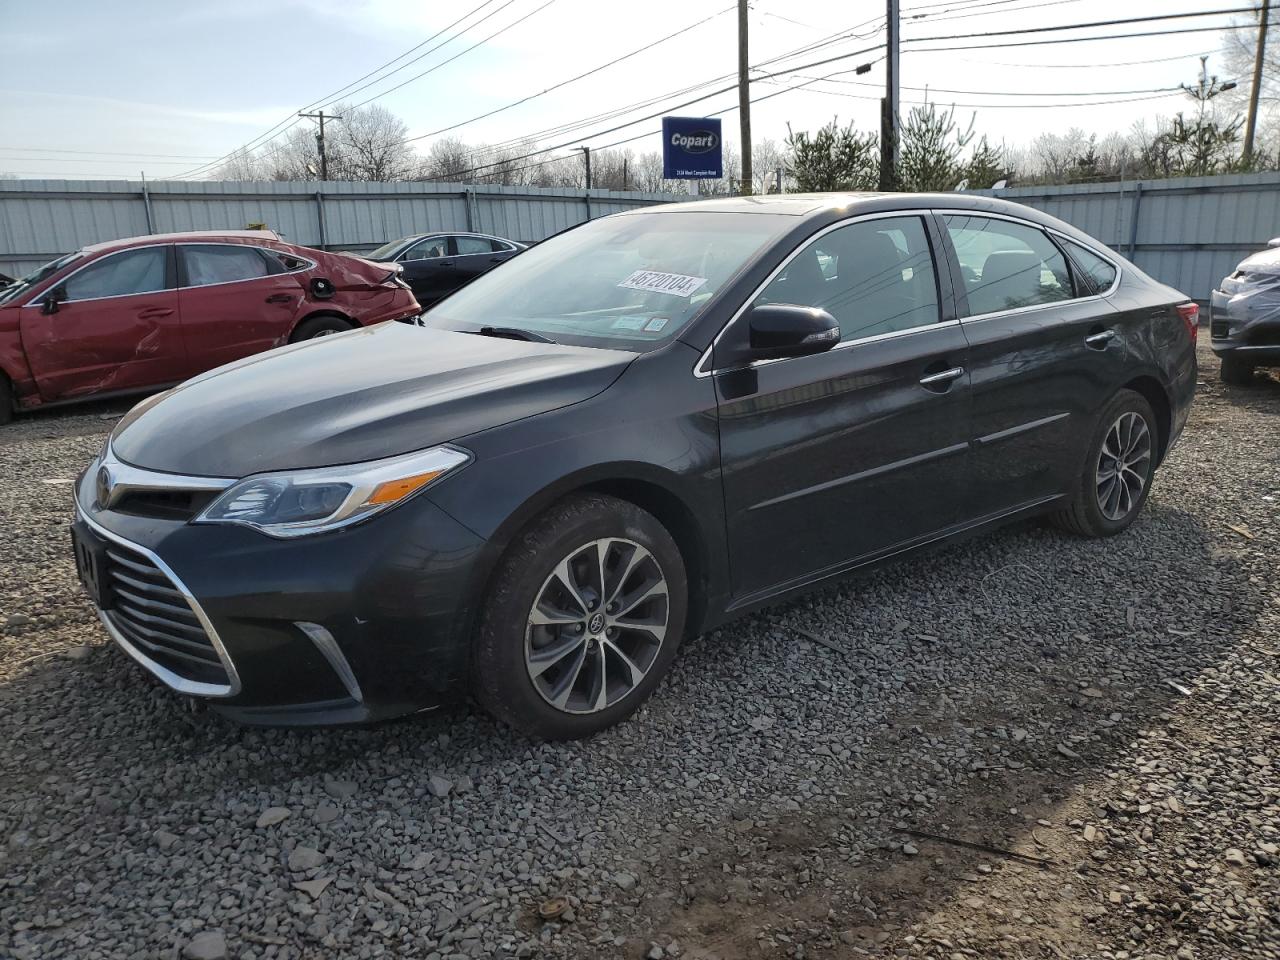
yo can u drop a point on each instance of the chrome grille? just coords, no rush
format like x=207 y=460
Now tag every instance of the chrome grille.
x=153 y=615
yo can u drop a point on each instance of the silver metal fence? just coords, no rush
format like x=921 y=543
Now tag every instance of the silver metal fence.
x=41 y=219
x=1189 y=232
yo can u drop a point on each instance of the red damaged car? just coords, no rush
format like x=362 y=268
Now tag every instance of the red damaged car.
x=140 y=314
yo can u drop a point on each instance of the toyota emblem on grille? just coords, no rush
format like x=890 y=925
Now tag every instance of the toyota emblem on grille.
x=103 y=486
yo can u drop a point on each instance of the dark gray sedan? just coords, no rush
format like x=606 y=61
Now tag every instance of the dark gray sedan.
x=436 y=264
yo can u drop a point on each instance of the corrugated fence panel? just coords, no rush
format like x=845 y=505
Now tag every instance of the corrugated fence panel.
x=1191 y=232
x=42 y=219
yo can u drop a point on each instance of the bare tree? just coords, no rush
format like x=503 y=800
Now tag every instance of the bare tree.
x=369 y=144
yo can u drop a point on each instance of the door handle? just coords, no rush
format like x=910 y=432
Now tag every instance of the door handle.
x=495 y=259
x=154 y=313
x=942 y=377
x=446 y=263
x=279 y=298
x=1100 y=340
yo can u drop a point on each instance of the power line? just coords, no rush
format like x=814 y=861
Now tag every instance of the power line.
x=1088 y=66
x=274 y=131
x=845 y=56
x=342 y=90
x=564 y=83
x=107 y=153
x=419 y=76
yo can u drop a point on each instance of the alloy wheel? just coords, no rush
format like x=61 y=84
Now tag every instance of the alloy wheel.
x=597 y=625
x=1124 y=466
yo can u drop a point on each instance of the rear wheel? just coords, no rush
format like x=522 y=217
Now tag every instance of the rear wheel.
x=582 y=620
x=6 y=399
x=322 y=326
x=1236 y=371
x=1116 y=476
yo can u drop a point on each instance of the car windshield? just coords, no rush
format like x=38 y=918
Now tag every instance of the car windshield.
x=386 y=250
x=628 y=281
x=16 y=289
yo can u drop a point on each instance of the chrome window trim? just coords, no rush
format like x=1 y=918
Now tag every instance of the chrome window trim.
x=310 y=264
x=39 y=300
x=701 y=368
x=165 y=675
x=952 y=212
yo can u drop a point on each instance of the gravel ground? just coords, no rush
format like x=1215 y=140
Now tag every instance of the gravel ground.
x=1099 y=720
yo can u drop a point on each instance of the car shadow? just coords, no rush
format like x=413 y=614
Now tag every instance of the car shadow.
x=826 y=725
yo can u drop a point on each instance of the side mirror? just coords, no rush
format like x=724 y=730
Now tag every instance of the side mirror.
x=787 y=330
x=52 y=299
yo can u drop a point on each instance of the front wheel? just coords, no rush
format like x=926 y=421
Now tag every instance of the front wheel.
x=1236 y=372
x=1115 y=479
x=582 y=619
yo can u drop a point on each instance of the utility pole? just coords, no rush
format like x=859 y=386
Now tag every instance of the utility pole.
x=744 y=97
x=1252 y=122
x=324 y=157
x=889 y=105
x=586 y=156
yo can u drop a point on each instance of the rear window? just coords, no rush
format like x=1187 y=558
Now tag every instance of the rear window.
x=1100 y=273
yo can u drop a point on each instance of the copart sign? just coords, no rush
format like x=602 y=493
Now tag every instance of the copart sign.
x=692 y=148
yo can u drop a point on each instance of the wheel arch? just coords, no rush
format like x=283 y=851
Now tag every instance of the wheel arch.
x=1151 y=390
x=649 y=488
x=322 y=312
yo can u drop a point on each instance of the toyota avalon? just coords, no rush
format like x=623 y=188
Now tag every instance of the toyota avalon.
x=633 y=432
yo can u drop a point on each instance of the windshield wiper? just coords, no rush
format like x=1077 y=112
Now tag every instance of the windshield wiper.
x=514 y=333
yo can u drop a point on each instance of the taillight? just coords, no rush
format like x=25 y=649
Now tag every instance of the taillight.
x=1190 y=314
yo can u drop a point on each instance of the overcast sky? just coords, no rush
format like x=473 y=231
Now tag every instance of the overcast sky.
x=169 y=85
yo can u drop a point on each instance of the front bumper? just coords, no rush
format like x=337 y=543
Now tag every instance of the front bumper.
x=1246 y=324
x=351 y=626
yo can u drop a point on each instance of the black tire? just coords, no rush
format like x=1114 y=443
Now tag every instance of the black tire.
x=6 y=399
x=1237 y=372
x=321 y=326
x=1084 y=514
x=500 y=675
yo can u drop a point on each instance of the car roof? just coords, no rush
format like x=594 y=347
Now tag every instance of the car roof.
x=191 y=235
x=457 y=233
x=835 y=206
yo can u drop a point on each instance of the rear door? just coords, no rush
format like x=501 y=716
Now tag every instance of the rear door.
x=429 y=269
x=841 y=456
x=1042 y=351
x=477 y=255
x=116 y=329
x=236 y=300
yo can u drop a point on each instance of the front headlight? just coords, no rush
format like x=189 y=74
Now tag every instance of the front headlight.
x=294 y=503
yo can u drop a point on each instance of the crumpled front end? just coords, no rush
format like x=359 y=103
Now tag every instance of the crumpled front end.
x=1244 y=312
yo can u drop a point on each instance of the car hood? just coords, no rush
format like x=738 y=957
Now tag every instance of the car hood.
x=1264 y=261
x=369 y=393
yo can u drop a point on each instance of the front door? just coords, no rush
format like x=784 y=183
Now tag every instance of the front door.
x=116 y=327
x=842 y=456
x=237 y=300
x=1043 y=352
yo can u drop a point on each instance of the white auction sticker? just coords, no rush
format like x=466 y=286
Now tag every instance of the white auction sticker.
x=674 y=283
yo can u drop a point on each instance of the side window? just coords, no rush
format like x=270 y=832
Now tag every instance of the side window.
x=210 y=264
x=428 y=249
x=280 y=262
x=469 y=245
x=1100 y=273
x=1007 y=265
x=874 y=277
x=118 y=275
